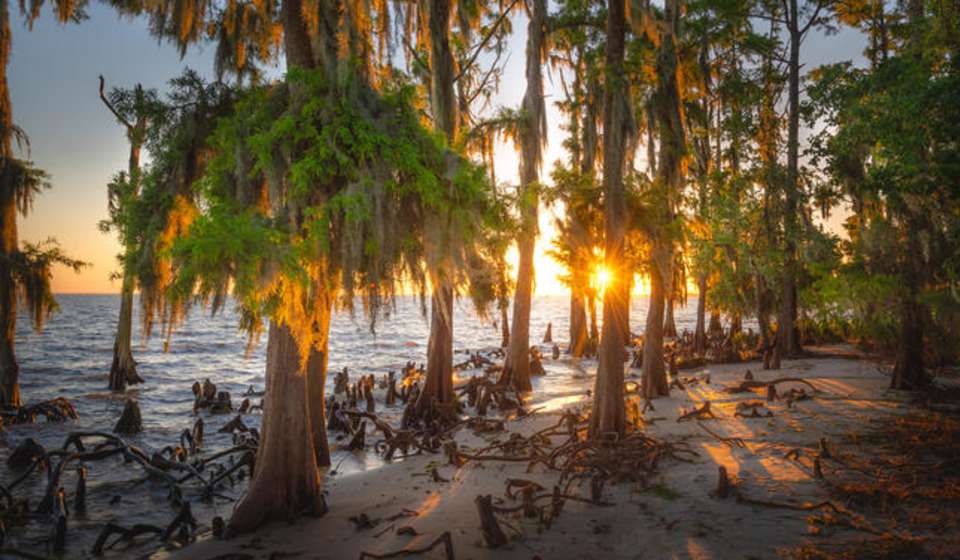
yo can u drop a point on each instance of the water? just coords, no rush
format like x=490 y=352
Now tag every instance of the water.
x=71 y=358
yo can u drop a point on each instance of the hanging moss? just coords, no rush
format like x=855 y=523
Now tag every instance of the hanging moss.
x=315 y=189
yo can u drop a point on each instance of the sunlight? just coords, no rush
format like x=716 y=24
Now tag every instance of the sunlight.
x=602 y=276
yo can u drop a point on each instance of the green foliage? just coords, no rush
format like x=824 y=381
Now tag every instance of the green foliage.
x=32 y=270
x=317 y=191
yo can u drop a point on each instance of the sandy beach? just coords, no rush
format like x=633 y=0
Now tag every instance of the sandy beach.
x=675 y=514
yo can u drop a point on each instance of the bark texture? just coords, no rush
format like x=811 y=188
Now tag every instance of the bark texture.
x=516 y=368
x=608 y=414
x=286 y=481
x=670 y=176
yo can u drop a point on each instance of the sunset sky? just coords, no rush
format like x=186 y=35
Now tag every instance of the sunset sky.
x=53 y=78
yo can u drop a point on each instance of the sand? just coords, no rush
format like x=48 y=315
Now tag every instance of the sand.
x=675 y=517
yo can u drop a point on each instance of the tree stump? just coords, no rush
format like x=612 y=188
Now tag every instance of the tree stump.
x=391 y=388
x=26 y=452
x=723 y=483
x=359 y=440
x=771 y=393
x=80 y=496
x=371 y=404
x=775 y=358
x=492 y=533
x=58 y=530
x=130 y=421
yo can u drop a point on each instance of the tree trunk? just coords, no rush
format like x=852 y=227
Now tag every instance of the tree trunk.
x=609 y=414
x=9 y=370
x=317 y=382
x=716 y=326
x=654 y=373
x=438 y=383
x=123 y=370
x=908 y=371
x=578 y=324
x=626 y=286
x=594 y=340
x=672 y=151
x=286 y=481
x=504 y=327
x=516 y=367
x=787 y=335
x=700 y=333
x=669 y=323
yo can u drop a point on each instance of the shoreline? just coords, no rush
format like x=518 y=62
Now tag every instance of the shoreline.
x=671 y=515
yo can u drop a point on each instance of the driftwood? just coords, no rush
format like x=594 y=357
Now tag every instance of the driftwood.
x=492 y=533
x=53 y=410
x=701 y=413
x=123 y=533
x=445 y=539
x=746 y=386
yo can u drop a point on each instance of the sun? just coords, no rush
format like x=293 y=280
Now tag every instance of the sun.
x=602 y=278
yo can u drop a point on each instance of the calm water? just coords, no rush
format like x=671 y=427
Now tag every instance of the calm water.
x=71 y=358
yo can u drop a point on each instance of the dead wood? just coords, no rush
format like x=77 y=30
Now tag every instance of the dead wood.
x=701 y=413
x=130 y=422
x=124 y=534
x=492 y=533
x=445 y=539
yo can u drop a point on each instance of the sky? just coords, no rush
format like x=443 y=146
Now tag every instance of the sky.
x=53 y=77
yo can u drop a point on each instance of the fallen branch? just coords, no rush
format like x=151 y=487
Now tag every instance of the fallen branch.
x=445 y=539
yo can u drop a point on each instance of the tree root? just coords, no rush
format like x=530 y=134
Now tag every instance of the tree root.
x=445 y=539
x=125 y=534
x=701 y=413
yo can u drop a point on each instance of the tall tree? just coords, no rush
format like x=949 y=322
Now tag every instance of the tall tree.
x=608 y=414
x=788 y=336
x=532 y=137
x=669 y=181
x=19 y=183
x=134 y=110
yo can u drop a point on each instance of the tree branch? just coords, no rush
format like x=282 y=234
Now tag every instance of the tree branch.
x=109 y=105
x=473 y=57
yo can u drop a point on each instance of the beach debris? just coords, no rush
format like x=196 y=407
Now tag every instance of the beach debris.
x=702 y=412
x=359 y=439
x=747 y=386
x=724 y=486
x=536 y=362
x=492 y=533
x=444 y=539
x=130 y=422
x=235 y=425
x=750 y=409
x=123 y=533
x=341 y=381
x=53 y=410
